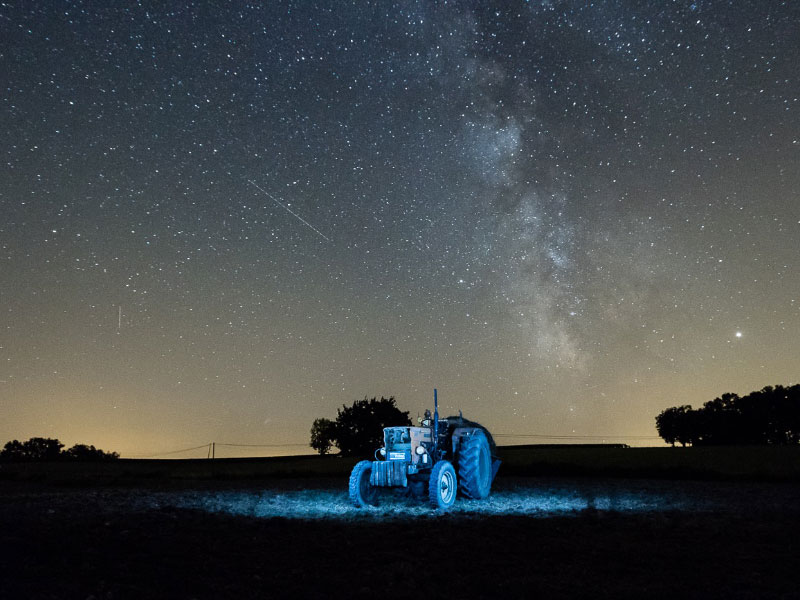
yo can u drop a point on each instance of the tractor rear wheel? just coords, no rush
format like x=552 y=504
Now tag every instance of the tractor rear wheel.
x=362 y=492
x=443 y=485
x=475 y=466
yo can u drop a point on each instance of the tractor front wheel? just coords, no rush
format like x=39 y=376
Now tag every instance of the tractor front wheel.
x=442 y=485
x=362 y=492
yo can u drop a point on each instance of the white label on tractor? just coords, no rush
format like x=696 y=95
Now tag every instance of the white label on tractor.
x=397 y=455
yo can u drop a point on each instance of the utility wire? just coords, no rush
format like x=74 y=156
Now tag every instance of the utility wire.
x=497 y=435
x=170 y=452
x=577 y=437
x=260 y=445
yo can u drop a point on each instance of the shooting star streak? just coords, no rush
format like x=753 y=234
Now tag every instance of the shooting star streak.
x=289 y=210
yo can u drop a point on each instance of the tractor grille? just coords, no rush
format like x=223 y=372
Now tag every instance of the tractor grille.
x=388 y=473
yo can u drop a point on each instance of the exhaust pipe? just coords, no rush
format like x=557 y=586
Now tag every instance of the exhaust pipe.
x=435 y=420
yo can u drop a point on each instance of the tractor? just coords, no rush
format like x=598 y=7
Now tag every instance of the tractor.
x=439 y=460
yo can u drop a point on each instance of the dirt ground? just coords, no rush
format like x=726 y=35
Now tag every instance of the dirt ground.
x=144 y=543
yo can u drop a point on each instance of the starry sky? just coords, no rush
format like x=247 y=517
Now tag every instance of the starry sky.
x=221 y=221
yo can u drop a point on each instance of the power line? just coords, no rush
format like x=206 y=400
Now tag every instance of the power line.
x=170 y=452
x=496 y=435
x=260 y=445
x=577 y=437
x=210 y=446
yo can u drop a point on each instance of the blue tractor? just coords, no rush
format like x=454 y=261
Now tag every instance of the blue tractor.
x=441 y=459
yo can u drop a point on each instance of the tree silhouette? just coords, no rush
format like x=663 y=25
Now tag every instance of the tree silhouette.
x=13 y=450
x=46 y=449
x=672 y=425
x=82 y=452
x=358 y=429
x=322 y=435
x=768 y=416
x=38 y=448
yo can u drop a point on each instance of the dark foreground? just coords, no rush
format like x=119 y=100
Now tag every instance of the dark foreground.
x=104 y=544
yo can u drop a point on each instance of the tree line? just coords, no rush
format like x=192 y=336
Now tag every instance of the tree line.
x=768 y=416
x=49 y=449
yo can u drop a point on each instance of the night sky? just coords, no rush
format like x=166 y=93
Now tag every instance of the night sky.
x=223 y=220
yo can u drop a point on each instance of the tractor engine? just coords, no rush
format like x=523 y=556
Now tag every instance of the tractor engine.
x=405 y=452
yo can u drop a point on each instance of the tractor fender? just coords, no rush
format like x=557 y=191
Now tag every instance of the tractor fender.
x=456 y=435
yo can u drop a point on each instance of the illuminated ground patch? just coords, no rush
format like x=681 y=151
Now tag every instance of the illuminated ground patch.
x=326 y=499
x=534 y=501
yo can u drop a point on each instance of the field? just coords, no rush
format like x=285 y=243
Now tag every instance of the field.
x=767 y=463
x=721 y=525
x=764 y=463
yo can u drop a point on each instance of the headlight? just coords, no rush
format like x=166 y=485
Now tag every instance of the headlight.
x=420 y=450
x=382 y=451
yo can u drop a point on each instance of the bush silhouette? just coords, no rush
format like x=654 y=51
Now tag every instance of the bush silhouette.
x=357 y=429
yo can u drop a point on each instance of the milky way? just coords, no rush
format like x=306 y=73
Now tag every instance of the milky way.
x=221 y=222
